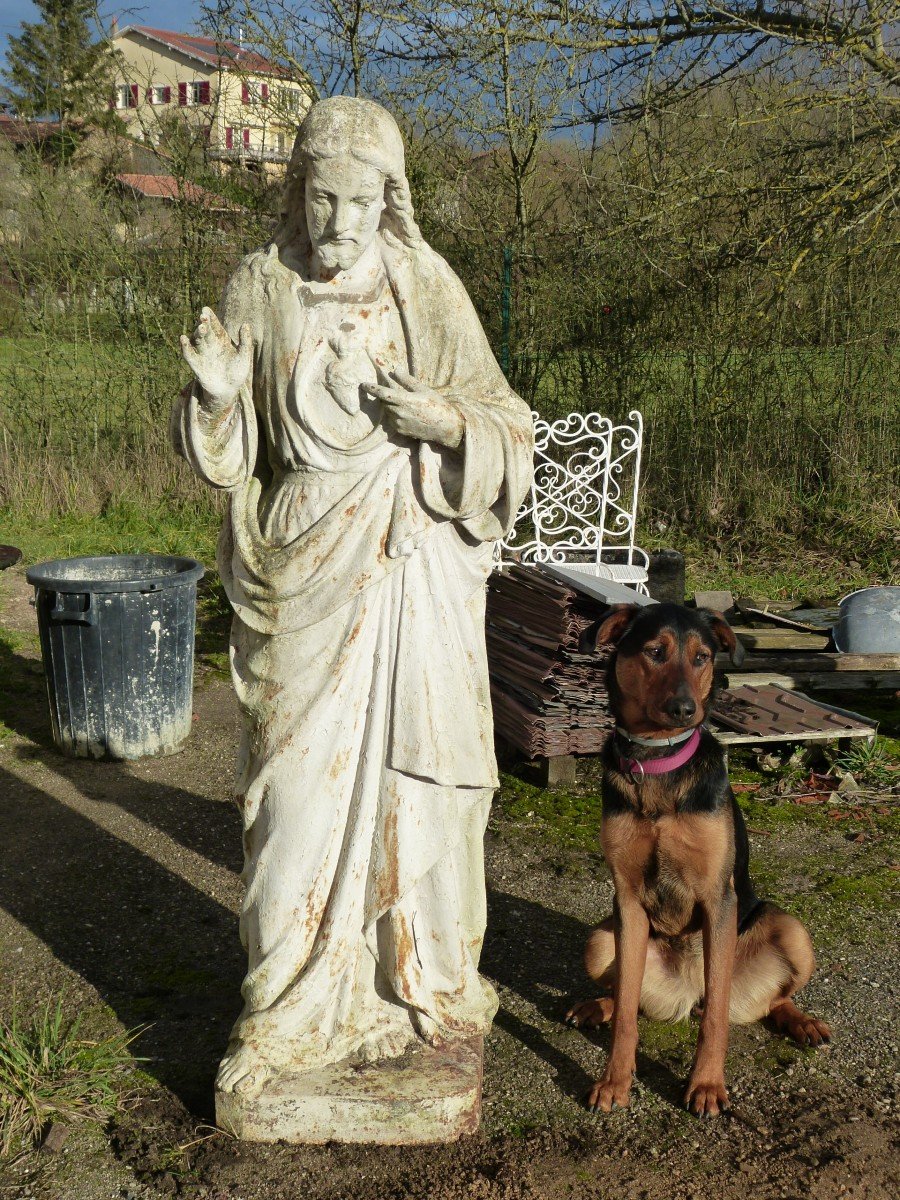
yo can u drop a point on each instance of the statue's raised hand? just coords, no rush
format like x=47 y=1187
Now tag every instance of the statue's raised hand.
x=221 y=368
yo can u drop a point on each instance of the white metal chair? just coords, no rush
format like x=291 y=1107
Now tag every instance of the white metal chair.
x=582 y=506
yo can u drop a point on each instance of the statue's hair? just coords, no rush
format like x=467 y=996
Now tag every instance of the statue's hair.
x=368 y=133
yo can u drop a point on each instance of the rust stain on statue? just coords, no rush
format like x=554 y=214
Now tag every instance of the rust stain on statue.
x=389 y=879
x=313 y=916
x=339 y=763
x=406 y=960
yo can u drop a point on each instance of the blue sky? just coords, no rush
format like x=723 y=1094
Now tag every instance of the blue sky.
x=163 y=14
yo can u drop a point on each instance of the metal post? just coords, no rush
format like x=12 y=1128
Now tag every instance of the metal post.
x=505 y=308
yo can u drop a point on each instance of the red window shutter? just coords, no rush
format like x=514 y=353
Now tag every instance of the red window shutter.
x=204 y=92
x=265 y=92
x=245 y=135
x=112 y=101
x=149 y=95
x=134 y=96
x=182 y=94
x=167 y=95
x=229 y=137
x=245 y=93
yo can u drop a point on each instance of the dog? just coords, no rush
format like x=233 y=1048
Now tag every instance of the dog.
x=687 y=927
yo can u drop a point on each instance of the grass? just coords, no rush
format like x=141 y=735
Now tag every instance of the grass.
x=82 y=390
x=50 y=1073
x=565 y=818
x=124 y=527
x=876 y=762
x=778 y=568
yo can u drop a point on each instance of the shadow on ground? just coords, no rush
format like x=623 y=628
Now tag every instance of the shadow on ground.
x=162 y=953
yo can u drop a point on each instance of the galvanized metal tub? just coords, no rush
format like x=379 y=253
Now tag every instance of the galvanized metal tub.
x=869 y=622
x=117 y=639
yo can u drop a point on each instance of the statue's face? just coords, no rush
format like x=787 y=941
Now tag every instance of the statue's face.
x=344 y=203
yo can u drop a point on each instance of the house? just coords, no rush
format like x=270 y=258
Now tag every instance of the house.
x=245 y=106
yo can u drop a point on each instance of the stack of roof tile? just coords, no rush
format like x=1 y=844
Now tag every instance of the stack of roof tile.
x=548 y=698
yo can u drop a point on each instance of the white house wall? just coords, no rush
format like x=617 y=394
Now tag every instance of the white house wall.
x=148 y=64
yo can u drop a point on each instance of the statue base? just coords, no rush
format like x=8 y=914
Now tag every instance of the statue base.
x=424 y=1096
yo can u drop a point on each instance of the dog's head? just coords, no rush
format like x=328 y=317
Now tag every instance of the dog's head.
x=662 y=675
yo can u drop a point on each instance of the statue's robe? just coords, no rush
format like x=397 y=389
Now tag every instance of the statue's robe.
x=355 y=565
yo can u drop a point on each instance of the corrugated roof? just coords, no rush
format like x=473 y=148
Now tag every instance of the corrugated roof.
x=167 y=187
x=226 y=54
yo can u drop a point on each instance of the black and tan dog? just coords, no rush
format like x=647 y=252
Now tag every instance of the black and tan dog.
x=687 y=927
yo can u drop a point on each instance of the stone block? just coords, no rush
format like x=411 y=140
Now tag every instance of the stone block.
x=425 y=1096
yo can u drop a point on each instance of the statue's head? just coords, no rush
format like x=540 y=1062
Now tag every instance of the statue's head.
x=346 y=180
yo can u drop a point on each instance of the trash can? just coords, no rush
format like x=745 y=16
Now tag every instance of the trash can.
x=117 y=639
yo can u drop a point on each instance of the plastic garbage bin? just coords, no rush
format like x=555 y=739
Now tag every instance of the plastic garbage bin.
x=117 y=638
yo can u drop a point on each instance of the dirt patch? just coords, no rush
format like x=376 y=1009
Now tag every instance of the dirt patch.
x=119 y=886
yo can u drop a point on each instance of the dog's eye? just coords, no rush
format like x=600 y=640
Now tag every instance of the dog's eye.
x=702 y=658
x=655 y=653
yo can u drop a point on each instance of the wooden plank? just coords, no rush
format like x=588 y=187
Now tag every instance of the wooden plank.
x=747 y=609
x=851 y=681
x=846 y=681
x=779 y=639
x=728 y=738
x=811 y=661
x=761 y=678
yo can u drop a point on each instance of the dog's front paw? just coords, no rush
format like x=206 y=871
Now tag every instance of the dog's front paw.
x=588 y=1014
x=807 y=1031
x=706 y=1099
x=609 y=1093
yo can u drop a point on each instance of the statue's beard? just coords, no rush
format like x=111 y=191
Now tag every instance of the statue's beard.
x=334 y=256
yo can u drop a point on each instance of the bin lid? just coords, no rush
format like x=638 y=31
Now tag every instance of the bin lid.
x=115 y=573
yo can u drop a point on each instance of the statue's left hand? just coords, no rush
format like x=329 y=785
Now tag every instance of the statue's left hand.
x=417 y=411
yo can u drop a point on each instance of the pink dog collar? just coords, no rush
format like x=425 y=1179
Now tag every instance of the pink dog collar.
x=662 y=766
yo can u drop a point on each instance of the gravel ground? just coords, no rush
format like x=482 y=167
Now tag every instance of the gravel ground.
x=118 y=886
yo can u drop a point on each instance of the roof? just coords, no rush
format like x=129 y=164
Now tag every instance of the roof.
x=22 y=131
x=210 y=51
x=167 y=187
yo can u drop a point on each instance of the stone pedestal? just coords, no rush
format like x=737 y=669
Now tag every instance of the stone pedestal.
x=424 y=1096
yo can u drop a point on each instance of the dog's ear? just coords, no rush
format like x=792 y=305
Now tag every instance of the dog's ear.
x=609 y=629
x=724 y=635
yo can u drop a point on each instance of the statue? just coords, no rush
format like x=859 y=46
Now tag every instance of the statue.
x=347 y=399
